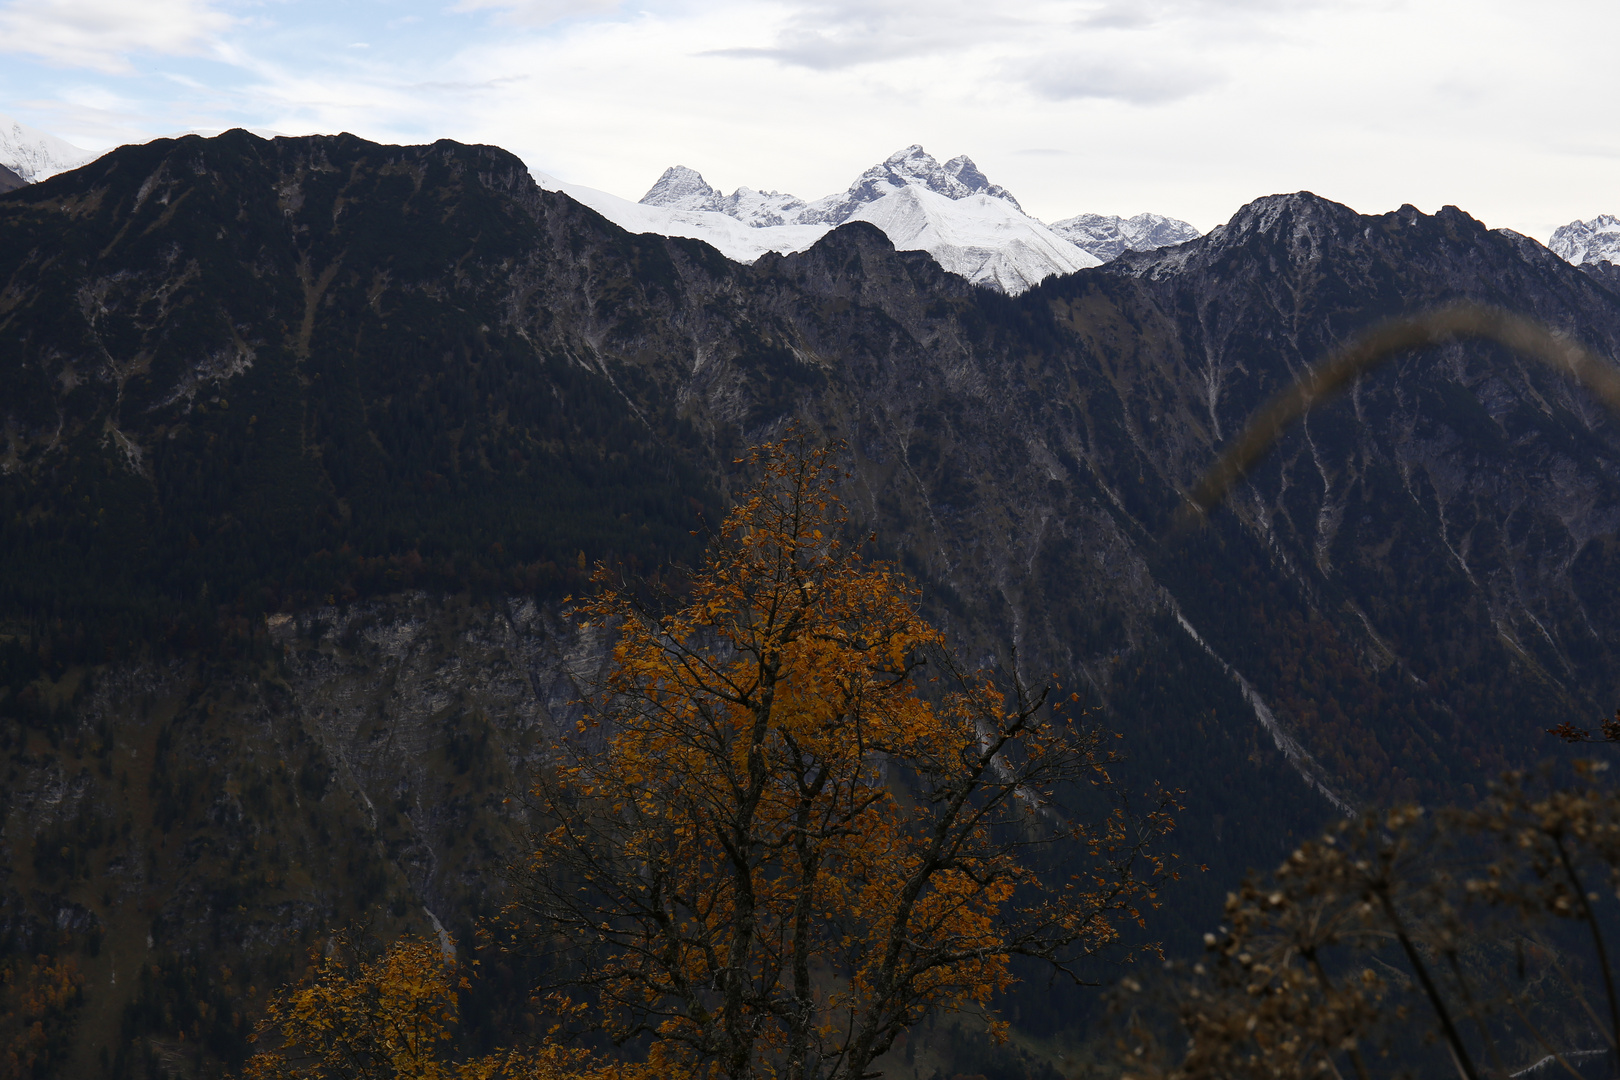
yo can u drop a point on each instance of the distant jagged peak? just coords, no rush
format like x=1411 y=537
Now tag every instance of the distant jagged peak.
x=962 y=169
x=911 y=167
x=763 y=209
x=681 y=188
x=1109 y=236
x=1592 y=241
x=972 y=226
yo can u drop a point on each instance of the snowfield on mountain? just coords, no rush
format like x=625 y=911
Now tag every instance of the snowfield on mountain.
x=952 y=211
x=37 y=155
x=982 y=238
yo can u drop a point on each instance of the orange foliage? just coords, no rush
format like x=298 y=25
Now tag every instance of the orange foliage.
x=777 y=845
x=37 y=1006
x=390 y=1020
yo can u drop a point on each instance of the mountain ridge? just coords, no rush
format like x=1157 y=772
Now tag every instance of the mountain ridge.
x=1109 y=236
x=1040 y=250
x=293 y=484
x=681 y=188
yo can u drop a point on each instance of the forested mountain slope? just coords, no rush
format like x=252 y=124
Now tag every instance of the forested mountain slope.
x=305 y=439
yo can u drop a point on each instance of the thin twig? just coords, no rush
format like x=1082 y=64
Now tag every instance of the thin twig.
x=1384 y=342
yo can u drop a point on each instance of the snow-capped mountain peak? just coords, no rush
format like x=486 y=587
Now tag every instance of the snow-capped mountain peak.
x=1592 y=241
x=763 y=209
x=984 y=239
x=685 y=189
x=911 y=167
x=1109 y=237
x=972 y=227
x=681 y=188
x=37 y=155
x=972 y=181
x=733 y=238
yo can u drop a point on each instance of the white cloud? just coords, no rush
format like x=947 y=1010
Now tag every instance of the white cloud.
x=103 y=34
x=535 y=13
x=1140 y=81
x=91 y=117
x=1185 y=107
x=827 y=36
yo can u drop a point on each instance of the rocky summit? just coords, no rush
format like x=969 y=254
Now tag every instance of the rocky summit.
x=306 y=441
x=1110 y=236
x=1594 y=241
x=1010 y=249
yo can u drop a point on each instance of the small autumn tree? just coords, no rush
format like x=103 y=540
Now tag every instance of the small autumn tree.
x=389 y=1018
x=791 y=824
x=39 y=1003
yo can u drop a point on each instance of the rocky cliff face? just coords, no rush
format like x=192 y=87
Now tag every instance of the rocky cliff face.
x=305 y=439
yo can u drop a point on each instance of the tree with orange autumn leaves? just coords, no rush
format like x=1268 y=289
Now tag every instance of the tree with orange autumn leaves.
x=792 y=823
x=39 y=1000
x=392 y=1017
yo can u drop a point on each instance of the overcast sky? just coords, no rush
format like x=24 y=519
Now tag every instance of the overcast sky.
x=1185 y=107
